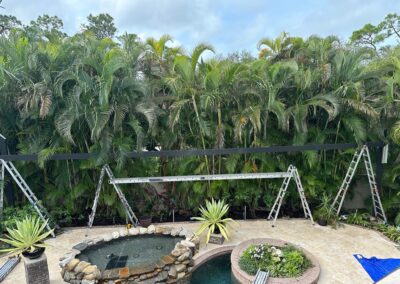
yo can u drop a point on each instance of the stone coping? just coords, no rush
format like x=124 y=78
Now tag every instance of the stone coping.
x=171 y=267
x=203 y=258
x=310 y=276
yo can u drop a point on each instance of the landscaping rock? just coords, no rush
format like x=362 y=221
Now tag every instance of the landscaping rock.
x=160 y=230
x=188 y=244
x=181 y=275
x=178 y=252
x=142 y=231
x=183 y=233
x=115 y=235
x=81 y=266
x=185 y=256
x=123 y=233
x=91 y=269
x=108 y=237
x=71 y=265
x=161 y=277
x=175 y=231
x=68 y=276
x=180 y=267
x=180 y=246
x=167 y=231
x=151 y=229
x=195 y=239
x=172 y=272
x=89 y=278
x=133 y=231
x=189 y=235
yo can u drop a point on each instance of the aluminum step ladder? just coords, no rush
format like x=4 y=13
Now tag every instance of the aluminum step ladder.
x=261 y=277
x=129 y=212
x=42 y=212
x=292 y=173
x=376 y=200
x=8 y=266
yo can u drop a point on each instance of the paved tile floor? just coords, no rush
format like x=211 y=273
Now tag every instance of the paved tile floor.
x=334 y=248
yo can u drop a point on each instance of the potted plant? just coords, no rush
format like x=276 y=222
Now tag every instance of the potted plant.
x=145 y=220
x=27 y=238
x=212 y=219
x=324 y=214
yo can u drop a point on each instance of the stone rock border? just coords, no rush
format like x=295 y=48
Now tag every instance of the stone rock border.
x=175 y=267
x=310 y=276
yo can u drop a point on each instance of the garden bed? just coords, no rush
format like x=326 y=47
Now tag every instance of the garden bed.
x=310 y=275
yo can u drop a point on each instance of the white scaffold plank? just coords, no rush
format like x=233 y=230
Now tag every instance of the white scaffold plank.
x=199 y=178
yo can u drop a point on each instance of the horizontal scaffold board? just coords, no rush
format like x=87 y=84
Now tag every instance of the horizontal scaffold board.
x=199 y=177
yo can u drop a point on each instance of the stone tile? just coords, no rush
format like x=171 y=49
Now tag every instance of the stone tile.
x=167 y=259
x=142 y=269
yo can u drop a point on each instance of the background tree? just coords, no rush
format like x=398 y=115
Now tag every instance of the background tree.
x=369 y=35
x=391 y=24
x=8 y=22
x=101 y=25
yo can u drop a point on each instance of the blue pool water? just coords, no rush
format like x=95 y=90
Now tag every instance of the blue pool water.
x=129 y=251
x=214 y=271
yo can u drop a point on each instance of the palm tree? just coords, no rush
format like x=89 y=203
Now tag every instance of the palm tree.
x=184 y=85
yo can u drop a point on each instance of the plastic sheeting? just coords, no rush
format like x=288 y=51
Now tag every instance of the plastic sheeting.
x=378 y=268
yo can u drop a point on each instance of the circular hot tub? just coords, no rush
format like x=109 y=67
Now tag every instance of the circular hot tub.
x=127 y=251
x=157 y=254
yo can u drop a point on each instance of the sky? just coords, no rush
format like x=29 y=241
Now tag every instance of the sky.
x=228 y=25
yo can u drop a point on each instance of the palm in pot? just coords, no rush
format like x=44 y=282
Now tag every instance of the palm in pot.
x=27 y=238
x=212 y=219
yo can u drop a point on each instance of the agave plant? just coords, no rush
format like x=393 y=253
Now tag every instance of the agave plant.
x=212 y=219
x=27 y=236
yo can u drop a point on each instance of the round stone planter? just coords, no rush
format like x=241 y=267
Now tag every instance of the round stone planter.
x=310 y=276
x=174 y=267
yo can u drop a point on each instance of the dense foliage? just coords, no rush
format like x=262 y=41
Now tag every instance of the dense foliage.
x=94 y=92
x=281 y=262
x=364 y=220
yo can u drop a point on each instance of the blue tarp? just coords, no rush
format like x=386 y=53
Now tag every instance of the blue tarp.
x=378 y=268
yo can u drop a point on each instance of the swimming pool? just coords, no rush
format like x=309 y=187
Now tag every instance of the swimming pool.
x=215 y=271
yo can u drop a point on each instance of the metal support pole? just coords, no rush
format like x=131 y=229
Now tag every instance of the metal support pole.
x=1 y=192
x=380 y=167
x=3 y=151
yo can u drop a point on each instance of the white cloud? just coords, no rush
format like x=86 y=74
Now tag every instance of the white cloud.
x=228 y=25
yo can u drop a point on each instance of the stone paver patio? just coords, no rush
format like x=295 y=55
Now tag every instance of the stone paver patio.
x=333 y=248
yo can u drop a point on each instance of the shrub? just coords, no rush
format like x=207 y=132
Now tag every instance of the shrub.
x=360 y=219
x=11 y=215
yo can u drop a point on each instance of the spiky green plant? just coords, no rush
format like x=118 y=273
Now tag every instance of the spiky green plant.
x=212 y=217
x=27 y=236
